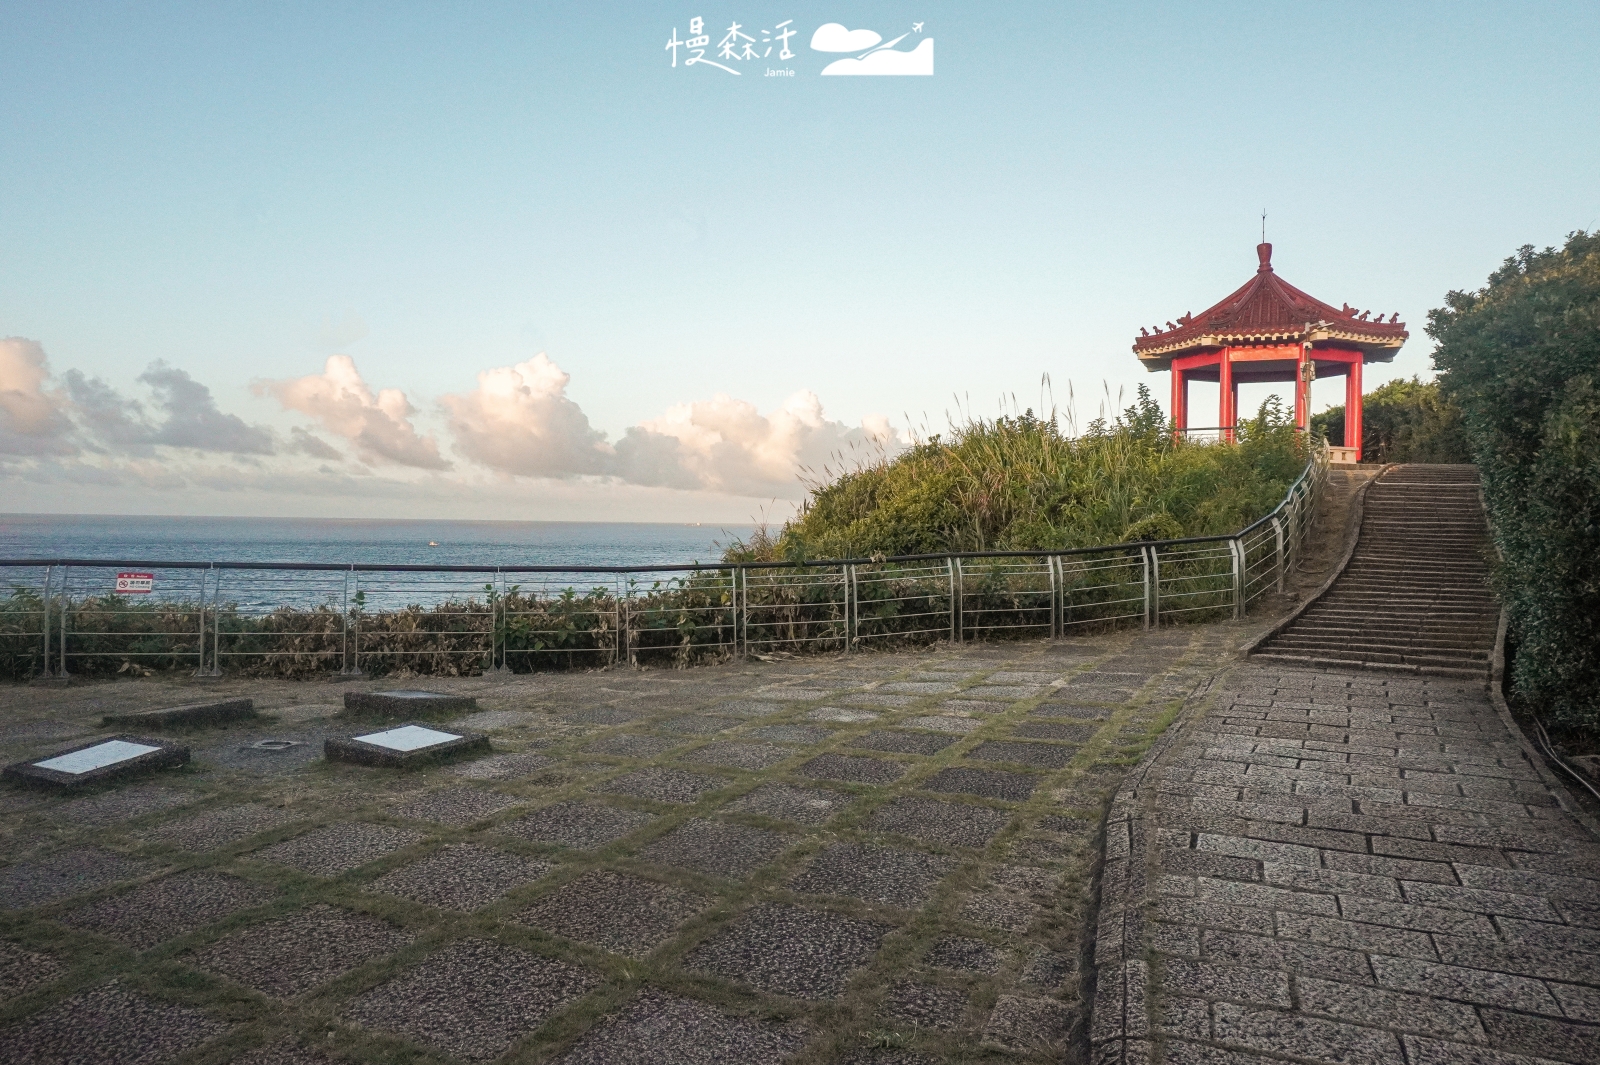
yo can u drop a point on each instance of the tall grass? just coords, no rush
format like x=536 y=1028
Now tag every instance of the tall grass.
x=1024 y=482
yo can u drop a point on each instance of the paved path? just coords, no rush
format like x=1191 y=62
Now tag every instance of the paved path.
x=1346 y=865
x=878 y=859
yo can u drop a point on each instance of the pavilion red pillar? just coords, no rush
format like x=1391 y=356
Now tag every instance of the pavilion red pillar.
x=1228 y=396
x=1302 y=397
x=1352 y=407
x=1180 y=402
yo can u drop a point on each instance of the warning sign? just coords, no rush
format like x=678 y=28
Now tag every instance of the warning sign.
x=135 y=583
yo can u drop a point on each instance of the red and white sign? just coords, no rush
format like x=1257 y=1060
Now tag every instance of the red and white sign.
x=135 y=583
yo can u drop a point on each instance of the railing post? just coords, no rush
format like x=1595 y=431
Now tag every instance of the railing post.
x=1144 y=553
x=852 y=609
x=1277 y=532
x=352 y=632
x=44 y=600
x=957 y=602
x=200 y=655
x=1237 y=550
x=950 y=569
x=216 y=620
x=1055 y=601
x=1155 y=586
x=66 y=608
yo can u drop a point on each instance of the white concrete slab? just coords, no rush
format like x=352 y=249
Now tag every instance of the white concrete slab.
x=408 y=738
x=97 y=757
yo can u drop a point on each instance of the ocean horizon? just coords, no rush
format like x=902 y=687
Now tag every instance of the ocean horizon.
x=371 y=541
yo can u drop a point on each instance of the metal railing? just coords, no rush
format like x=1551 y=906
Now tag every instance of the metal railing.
x=311 y=618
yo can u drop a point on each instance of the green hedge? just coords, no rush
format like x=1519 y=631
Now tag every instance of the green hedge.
x=1403 y=421
x=1521 y=358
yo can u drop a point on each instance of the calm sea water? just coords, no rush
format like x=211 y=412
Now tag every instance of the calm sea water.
x=493 y=543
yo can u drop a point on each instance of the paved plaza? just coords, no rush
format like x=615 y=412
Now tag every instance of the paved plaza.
x=856 y=858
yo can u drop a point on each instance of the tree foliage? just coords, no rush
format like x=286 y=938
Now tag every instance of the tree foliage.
x=1022 y=482
x=1403 y=421
x=1521 y=358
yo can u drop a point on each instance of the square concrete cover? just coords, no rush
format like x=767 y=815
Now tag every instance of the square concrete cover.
x=98 y=762
x=404 y=746
x=217 y=712
x=406 y=703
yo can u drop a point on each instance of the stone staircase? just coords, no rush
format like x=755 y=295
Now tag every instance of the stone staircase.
x=1414 y=596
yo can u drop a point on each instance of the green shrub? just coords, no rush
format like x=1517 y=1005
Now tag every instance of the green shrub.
x=1402 y=421
x=1020 y=483
x=1521 y=358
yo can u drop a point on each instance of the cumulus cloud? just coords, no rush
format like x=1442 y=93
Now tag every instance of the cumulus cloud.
x=191 y=417
x=32 y=420
x=186 y=416
x=378 y=425
x=727 y=445
x=833 y=37
x=304 y=443
x=520 y=421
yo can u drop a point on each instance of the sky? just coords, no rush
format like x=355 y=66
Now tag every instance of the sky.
x=508 y=261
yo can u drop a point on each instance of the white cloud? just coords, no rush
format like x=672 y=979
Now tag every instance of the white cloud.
x=832 y=37
x=379 y=425
x=32 y=421
x=520 y=421
x=888 y=61
x=726 y=445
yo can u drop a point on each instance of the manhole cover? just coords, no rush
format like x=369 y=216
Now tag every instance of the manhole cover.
x=273 y=745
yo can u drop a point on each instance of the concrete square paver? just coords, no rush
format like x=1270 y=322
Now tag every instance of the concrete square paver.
x=656 y=1028
x=461 y=876
x=579 y=825
x=472 y=999
x=617 y=912
x=169 y=907
x=338 y=848
x=716 y=848
x=889 y=875
x=291 y=955
x=108 y=1025
x=790 y=950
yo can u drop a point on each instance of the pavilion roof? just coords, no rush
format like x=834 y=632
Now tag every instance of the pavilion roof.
x=1268 y=308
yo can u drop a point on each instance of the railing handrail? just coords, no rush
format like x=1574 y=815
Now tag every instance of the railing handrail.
x=684 y=567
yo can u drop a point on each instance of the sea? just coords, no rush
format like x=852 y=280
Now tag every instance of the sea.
x=374 y=541
x=135 y=546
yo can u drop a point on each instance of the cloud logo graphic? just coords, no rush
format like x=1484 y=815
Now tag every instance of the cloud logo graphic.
x=832 y=37
x=918 y=61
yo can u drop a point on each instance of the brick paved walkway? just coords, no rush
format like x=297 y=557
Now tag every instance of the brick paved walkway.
x=1344 y=866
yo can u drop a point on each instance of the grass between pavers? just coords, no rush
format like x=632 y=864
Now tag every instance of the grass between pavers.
x=329 y=795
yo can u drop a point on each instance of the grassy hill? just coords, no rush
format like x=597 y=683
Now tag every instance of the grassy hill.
x=1021 y=482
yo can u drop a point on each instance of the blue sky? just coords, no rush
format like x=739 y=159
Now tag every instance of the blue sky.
x=436 y=191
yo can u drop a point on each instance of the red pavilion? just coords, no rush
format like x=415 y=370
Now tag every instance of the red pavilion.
x=1270 y=331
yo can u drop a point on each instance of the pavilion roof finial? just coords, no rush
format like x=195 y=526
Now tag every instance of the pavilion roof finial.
x=1264 y=253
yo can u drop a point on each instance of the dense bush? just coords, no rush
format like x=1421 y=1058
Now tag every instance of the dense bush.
x=1521 y=358
x=1402 y=421
x=1023 y=483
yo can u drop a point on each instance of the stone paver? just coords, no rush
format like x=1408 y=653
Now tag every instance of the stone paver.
x=751 y=861
x=1346 y=866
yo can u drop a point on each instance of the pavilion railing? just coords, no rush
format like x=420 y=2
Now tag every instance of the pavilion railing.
x=61 y=617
